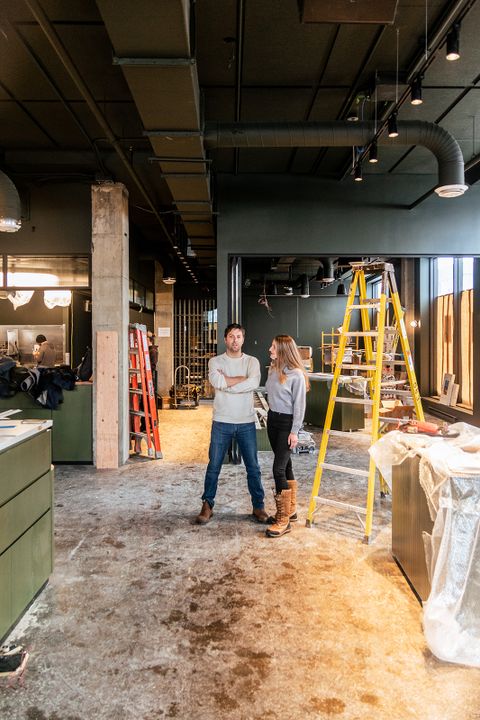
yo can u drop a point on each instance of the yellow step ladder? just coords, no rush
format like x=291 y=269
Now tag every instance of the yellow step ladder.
x=372 y=367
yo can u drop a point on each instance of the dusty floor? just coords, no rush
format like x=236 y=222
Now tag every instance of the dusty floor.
x=148 y=616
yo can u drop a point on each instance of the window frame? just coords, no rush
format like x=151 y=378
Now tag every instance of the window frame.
x=456 y=333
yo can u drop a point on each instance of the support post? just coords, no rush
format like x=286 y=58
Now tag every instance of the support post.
x=110 y=314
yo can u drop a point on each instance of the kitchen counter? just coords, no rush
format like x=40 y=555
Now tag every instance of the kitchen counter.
x=26 y=515
x=13 y=432
x=72 y=422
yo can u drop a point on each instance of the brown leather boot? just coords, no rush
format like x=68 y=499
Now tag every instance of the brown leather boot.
x=293 y=485
x=205 y=514
x=259 y=515
x=282 y=521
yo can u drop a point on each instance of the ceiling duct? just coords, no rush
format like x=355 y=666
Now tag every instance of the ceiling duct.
x=451 y=176
x=379 y=12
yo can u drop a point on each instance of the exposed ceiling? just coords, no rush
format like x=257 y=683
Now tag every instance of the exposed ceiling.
x=120 y=90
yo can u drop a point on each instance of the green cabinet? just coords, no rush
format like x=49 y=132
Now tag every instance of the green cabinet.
x=346 y=416
x=72 y=422
x=26 y=524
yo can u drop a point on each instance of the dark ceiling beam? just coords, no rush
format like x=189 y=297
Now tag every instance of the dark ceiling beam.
x=449 y=109
x=316 y=90
x=27 y=112
x=154 y=62
x=64 y=23
x=57 y=45
x=40 y=66
x=239 y=72
x=270 y=86
x=452 y=13
x=354 y=88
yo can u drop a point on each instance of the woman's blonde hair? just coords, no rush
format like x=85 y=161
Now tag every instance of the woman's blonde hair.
x=288 y=356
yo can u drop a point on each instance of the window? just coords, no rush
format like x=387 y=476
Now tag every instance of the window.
x=27 y=271
x=453 y=323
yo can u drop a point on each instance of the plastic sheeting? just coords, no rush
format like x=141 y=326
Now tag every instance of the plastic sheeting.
x=450 y=476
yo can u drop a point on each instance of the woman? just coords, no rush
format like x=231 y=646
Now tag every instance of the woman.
x=286 y=386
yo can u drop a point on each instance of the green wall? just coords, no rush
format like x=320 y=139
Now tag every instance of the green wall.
x=302 y=318
x=57 y=220
x=283 y=215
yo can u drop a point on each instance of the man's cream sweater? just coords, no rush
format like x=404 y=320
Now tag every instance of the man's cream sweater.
x=235 y=404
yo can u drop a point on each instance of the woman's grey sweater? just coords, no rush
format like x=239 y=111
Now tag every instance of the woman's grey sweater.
x=288 y=397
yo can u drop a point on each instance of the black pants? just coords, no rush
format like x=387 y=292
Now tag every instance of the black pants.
x=279 y=427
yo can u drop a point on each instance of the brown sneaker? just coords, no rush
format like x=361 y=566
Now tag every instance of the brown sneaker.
x=259 y=515
x=205 y=514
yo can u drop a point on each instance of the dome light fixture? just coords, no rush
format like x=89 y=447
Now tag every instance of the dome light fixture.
x=10 y=212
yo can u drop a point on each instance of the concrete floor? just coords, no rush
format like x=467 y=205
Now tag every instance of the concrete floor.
x=148 y=616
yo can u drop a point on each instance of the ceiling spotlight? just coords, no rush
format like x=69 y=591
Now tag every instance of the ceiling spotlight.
x=353 y=115
x=392 y=126
x=357 y=175
x=416 y=92
x=373 y=154
x=453 y=43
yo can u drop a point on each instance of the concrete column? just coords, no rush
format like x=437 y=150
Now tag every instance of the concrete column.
x=110 y=273
x=164 y=322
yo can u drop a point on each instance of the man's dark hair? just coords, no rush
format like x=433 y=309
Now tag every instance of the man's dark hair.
x=233 y=326
x=40 y=339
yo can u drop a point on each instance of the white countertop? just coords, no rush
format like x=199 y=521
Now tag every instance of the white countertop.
x=13 y=432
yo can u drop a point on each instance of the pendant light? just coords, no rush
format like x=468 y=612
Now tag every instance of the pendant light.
x=453 y=43
x=416 y=92
x=392 y=126
x=373 y=153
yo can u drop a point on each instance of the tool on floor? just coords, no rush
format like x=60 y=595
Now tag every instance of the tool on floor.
x=143 y=406
x=376 y=358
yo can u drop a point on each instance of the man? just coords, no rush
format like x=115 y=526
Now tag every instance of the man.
x=45 y=355
x=234 y=376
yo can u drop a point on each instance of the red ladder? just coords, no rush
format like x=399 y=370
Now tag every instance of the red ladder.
x=142 y=394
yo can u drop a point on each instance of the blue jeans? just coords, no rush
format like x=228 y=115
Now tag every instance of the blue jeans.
x=221 y=437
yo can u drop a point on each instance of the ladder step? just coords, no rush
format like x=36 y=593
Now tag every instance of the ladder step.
x=358 y=367
x=132 y=371
x=135 y=391
x=361 y=333
x=133 y=351
x=347 y=470
x=139 y=434
x=140 y=413
x=365 y=306
x=343 y=505
x=354 y=401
